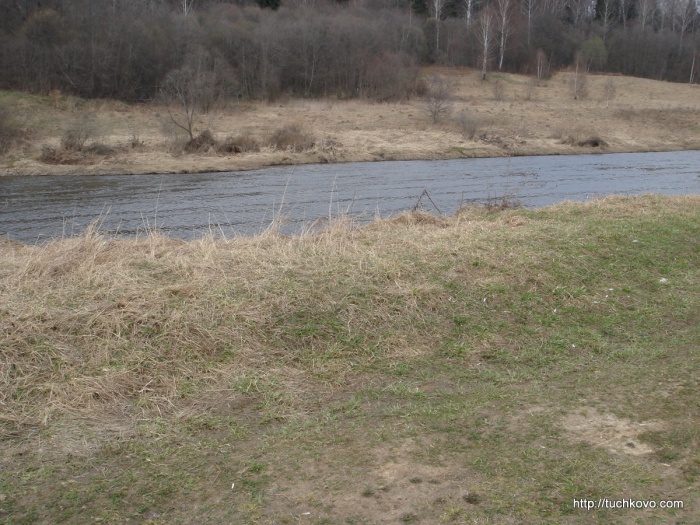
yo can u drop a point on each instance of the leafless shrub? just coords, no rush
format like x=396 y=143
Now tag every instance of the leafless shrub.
x=239 y=144
x=390 y=76
x=78 y=144
x=421 y=87
x=292 y=138
x=568 y=140
x=468 y=124
x=98 y=148
x=56 y=156
x=579 y=80
x=609 y=91
x=541 y=65
x=88 y=155
x=203 y=142
x=593 y=142
x=10 y=129
x=136 y=141
x=76 y=136
x=498 y=91
x=530 y=86
x=439 y=99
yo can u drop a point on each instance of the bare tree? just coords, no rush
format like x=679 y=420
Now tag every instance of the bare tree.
x=528 y=8
x=498 y=91
x=609 y=90
x=607 y=15
x=196 y=87
x=439 y=99
x=187 y=6
x=579 y=82
x=686 y=17
x=669 y=12
x=624 y=8
x=646 y=10
x=486 y=37
x=553 y=7
x=541 y=64
x=180 y=88
x=504 y=11
x=581 y=11
x=437 y=7
x=469 y=7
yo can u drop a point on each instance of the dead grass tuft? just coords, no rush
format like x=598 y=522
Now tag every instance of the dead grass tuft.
x=292 y=138
x=202 y=143
x=239 y=144
x=593 y=142
x=419 y=218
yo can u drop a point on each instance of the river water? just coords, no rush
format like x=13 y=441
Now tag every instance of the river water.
x=35 y=209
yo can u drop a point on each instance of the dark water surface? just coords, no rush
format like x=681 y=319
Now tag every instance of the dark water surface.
x=35 y=209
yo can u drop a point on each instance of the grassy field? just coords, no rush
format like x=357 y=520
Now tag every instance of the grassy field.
x=518 y=118
x=488 y=368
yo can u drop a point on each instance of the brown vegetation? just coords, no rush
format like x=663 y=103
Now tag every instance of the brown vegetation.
x=645 y=115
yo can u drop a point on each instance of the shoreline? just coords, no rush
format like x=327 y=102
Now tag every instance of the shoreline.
x=309 y=160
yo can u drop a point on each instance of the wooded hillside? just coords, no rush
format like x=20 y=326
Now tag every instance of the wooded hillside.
x=131 y=49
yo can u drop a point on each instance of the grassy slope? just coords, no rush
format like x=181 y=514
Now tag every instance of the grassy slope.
x=645 y=115
x=487 y=368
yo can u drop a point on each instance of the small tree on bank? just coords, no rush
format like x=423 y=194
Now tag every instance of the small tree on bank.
x=579 y=82
x=195 y=87
x=439 y=99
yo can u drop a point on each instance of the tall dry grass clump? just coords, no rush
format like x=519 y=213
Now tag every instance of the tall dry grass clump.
x=118 y=328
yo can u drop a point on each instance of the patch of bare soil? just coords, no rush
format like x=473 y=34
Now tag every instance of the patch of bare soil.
x=619 y=436
x=399 y=487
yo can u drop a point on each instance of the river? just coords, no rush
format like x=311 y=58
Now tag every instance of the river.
x=36 y=209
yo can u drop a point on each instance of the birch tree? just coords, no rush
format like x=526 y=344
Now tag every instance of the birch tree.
x=686 y=17
x=187 y=6
x=486 y=36
x=624 y=8
x=528 y=9
x=579 y=81
x=646 y=10
x=469 y=8
x=437 y=7
x=504 y=11
x=607 y=15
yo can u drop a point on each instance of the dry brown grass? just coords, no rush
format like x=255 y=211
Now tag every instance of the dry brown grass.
x=645 y=115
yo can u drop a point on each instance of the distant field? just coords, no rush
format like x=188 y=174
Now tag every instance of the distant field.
x=529 y=118
x=489 y=368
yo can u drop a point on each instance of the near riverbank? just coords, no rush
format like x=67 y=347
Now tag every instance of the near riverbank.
x=507 y=115
x=495 y=367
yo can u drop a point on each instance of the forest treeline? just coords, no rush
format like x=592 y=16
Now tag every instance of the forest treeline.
x=130 y=49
